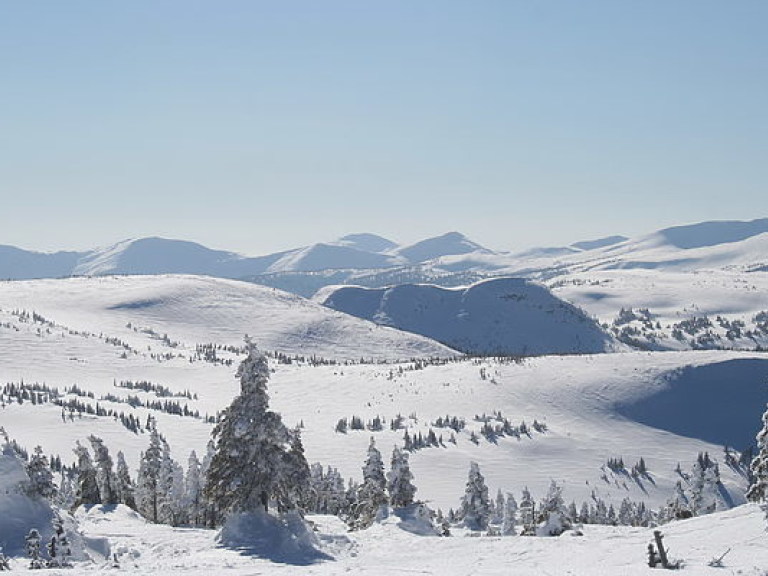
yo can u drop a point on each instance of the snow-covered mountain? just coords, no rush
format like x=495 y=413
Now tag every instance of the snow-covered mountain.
x=371 y=260
x=505 y=316
x=166 y=256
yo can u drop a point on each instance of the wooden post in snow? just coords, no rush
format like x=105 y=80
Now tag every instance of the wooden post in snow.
x=660 y=547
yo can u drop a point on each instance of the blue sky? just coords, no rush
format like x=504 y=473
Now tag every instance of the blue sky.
x=257 y=126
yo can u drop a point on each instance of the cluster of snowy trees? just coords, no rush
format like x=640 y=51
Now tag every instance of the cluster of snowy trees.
x=697 y=492
x=369 y=500
x=57 y=548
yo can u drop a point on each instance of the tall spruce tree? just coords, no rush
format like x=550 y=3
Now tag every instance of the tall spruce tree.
x=148 y=480
x=105 y=475
x=124 y=485
x=193 y=501
x=475 y=507
x=400 y=480
x=40 y=475
x=254 y=463
x=87 y=484
x=371 y=494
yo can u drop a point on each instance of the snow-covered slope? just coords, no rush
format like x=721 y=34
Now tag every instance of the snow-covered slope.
x=499 y=316
x=580 y=411
x=203 y=309
x=660 y=309
x=387 y=549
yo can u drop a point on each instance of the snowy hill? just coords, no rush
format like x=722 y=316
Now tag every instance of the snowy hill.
x=662 y=310
x=208 y=309
x=507 y=316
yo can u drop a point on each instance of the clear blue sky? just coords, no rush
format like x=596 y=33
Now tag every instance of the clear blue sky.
x=258 y=126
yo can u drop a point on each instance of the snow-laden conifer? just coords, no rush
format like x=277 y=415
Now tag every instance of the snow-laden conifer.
x=253 y=463
x=371 y=495
x=553 y=514
x=40 y=475
x=475 y=508
x=105 y=476
x=87 y=484
x=123 y=483
x=148 y=480
x=400 y=480
x=193 y=502
x=509 y=517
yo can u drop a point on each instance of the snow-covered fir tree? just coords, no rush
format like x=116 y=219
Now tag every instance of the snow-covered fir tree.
x=294 y=473
x=371 y=494
x=509 y=518
x=254 y=463
x=475 y=507
x=87 y=489
x=758 y=490
x=553 y=515
x=105 y=475
x=327 y=492
x=148 y=480
x=59 y=550
x=210 y=516
x=170 y=496
x=527 y=513
x=705 y=487
x=497 y=509
x=40 y=475
x=33 y=541
x=193 y=502
x=123 y=483
x=400 y=480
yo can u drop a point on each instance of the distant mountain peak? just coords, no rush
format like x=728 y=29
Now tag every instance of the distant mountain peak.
x=366 y=242
x=448 y=244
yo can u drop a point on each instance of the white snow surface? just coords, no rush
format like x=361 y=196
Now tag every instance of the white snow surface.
x=205 y=309
x=386 y=549
x=595 y=407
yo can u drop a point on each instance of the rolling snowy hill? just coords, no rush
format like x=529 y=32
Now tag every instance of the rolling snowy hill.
x=505 y=316
x=203 y=309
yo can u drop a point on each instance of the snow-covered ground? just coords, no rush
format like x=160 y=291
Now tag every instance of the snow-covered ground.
x=594 y=407
x=665 y=407
x=385 y=549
